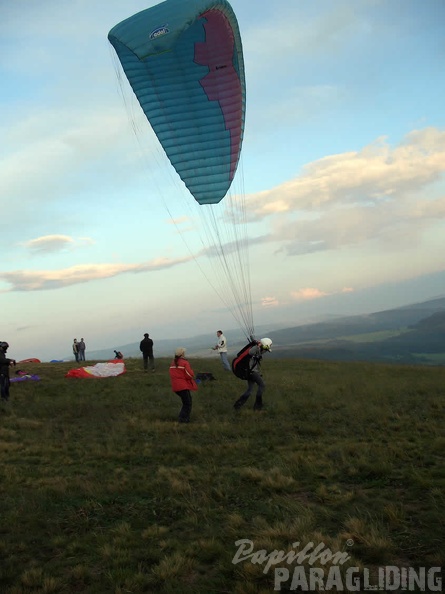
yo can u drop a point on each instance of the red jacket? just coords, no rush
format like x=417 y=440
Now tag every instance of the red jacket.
x=182 y=376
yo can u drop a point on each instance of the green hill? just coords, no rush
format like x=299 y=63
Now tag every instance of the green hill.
x=414 y=334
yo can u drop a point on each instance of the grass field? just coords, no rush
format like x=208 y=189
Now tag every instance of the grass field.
x=102 y=491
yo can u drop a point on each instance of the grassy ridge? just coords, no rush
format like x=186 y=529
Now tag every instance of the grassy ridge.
x=102 y=491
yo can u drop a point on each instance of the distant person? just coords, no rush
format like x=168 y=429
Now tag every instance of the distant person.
x=146 y=348
x=253 y=360
x=183 y=382
x=5 y=364
x=118 y=355
x=81 y=348
x=76 y=350
x=221 y=347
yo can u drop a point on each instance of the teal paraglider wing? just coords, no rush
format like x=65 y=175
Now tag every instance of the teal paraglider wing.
x=184 y=61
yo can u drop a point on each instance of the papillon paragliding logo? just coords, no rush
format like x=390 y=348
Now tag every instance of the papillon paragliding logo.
x=159 y=31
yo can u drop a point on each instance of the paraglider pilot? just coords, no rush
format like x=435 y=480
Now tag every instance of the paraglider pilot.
x=5 y=364
x=254 y=376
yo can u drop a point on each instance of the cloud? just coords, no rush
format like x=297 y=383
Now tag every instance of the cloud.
x=50 y=144
x=30 y=280
x=179 y=220
x=311 y=293
x=399 y=223
x=319 y=33
x=373 y=175
x=54 y=243
x=308 y=294
x=377 y=193
x=183 y=224
x=269 y=301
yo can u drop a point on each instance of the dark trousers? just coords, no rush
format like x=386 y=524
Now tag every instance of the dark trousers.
x=186 y=397
x=254 y=379
x=4 y=386
x=146 y=357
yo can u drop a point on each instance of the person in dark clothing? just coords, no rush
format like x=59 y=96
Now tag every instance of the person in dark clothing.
x=76 y=350
x=81 y=346
x=254 y=378
x=146 y=348
x=183 y=381
x=5 y=364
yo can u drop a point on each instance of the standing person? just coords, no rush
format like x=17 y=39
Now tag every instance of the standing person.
x=183 y=382
x=221 y=347
x=5 y=364
x=76 y=350
x=254 y=375
x=81 y=349
x=146 y=348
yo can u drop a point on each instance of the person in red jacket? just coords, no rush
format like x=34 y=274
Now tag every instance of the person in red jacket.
x=183 y=382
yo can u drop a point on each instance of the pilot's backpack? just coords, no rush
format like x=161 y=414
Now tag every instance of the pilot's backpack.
x=241 y=363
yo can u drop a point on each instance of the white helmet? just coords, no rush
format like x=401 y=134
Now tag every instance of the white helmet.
x=266 y=344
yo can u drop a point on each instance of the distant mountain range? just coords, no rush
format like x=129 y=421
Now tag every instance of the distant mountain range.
x=409 y=334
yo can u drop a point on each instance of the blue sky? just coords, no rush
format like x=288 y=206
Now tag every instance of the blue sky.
x=342 y=174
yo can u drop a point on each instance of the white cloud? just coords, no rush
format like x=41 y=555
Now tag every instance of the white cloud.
x=269 y=302
x=378 y=193
x=55 y=243
x=274 y=43
x=308 y=294
x=51 y=148
x=49 y=243
x=373 y=175
x=27 y=280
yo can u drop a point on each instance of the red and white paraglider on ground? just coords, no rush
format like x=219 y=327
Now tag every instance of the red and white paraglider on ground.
x=100 y=370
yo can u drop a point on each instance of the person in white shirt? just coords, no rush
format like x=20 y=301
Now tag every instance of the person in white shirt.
x=221 y=347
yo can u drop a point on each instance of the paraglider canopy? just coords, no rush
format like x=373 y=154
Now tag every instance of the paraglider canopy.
x=100 y=370
x=184 y=62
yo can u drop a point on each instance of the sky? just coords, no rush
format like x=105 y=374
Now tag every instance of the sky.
x=342 y=175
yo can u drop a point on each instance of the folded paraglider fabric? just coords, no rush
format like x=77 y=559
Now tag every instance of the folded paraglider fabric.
x=99 y=370
x=32 y=360
x=25 y=377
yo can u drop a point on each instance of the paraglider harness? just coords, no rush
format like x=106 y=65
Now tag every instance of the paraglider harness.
x=241 y=363
x=118 y=354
